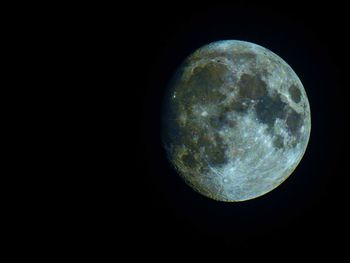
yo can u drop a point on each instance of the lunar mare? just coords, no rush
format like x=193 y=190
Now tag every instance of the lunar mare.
x=236 y=120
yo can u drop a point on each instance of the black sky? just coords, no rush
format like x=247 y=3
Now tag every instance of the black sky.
x=311 y=206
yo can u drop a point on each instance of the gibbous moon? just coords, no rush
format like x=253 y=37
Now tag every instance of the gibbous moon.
x=236 y=121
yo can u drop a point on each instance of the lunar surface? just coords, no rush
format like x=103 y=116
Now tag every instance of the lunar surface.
x=236 y=121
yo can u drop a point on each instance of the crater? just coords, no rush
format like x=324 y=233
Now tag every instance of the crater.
x=295 y=93
x=216 y=121
x=264 y=72
x=278 y=141
x=244 y=56
x=237 y=105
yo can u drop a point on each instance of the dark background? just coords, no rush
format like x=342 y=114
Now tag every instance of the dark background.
x=309 y=209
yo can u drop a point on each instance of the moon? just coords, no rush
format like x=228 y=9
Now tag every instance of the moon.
x=236 y=120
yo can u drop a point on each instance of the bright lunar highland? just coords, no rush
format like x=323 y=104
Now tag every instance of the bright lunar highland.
x=236 y=120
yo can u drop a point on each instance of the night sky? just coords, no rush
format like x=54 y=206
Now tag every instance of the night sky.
x=311 y=206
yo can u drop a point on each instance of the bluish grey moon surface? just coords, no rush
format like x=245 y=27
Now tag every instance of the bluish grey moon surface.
x=236 y=120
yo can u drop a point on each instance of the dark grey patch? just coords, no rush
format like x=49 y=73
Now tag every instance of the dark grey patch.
x=251 y=87
x=294 y=143
x=268 y=109
x=216 y=121
x=231 y=123
x=278 y=141
x=204 y=83
x=220 y=120
x=188 y=160
x=295 y=93
x=294 y=122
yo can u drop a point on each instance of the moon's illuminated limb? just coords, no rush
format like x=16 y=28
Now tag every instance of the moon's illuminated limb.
x=237 y=121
